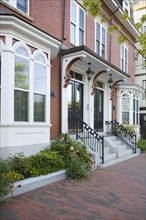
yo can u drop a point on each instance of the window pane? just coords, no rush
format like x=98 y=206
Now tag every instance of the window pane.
x=73 y=13
x=125 y=104
x=39 y=78
x=81 y=37
x=125 y=117
x=98 y=31
x=98 y=47
x=21 y=73
x=39 y=108
x=22 y=51
x=103 y=35
x=20 y=106
x=22 y=5
x=81 y=21
x=69 y=95
x=72 y=36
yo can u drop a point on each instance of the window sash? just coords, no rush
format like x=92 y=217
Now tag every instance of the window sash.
x=77 y=24
x=100 y=40
x=124 y=58
x=22 y=5
x=20 y=105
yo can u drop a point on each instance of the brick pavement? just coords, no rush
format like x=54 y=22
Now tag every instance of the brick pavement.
x=117 y=192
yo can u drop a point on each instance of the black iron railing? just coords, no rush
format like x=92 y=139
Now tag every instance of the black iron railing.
x=117 y=129
x=90 y=137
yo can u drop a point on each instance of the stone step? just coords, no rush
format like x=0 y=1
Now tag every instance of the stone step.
x=125 y=152
x=109 y=156
x=106 y=150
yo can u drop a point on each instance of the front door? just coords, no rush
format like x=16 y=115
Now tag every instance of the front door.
x=98 y=110
x=75 y=104
x=143 y=125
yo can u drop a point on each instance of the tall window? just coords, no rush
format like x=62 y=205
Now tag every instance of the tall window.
x=77 y=24
x=135 y=110
x=144 y=86
x=39 y=88
x=124 y=58
x=21 y=92
x=22 y=5
x=125 y=108
x=100 y=40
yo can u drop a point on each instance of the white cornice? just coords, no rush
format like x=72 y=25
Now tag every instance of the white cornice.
x=13 y=25
x=128 y=24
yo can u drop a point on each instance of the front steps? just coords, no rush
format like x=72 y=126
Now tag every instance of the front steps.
x=115 y=151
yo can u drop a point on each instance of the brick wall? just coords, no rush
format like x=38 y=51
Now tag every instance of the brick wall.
x=56 y=101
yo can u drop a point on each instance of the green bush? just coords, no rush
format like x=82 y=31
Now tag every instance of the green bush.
x=46 y=162
x=7 y=177
x=78 y=160
x=20 y=164
x=141 y=144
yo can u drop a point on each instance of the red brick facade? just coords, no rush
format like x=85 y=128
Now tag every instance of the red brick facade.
x=48 y=16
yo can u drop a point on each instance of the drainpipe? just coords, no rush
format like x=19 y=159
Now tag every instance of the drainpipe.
x=64 y=17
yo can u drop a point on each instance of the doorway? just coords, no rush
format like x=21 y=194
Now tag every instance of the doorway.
x=98 y=110
x=75 y=104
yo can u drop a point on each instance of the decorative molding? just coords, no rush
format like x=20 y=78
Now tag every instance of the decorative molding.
x=68 y=76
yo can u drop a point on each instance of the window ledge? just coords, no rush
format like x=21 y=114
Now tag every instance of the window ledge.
x=26 y=125
x=25 y=15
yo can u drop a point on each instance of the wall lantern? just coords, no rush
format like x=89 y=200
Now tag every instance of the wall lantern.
x=89 y=72
x=110 y=81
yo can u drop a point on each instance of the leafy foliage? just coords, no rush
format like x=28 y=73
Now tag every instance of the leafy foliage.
x=141 y=144
x=95 y=9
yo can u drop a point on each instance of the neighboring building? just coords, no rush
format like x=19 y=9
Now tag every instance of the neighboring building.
x=46 y=49
x=140 y=67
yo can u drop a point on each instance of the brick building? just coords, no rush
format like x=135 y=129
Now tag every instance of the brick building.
x=57 y=60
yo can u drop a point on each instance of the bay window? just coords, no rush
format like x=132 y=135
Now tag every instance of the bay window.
x=29 y=87
x=125 y=108
x=21 y=93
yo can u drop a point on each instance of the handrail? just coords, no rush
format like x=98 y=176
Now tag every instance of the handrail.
x=90 y=137
x=123 y=133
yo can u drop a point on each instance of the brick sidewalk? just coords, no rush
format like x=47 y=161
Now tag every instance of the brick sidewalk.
x=117 y=192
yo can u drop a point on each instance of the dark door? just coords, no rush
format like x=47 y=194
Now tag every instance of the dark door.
x=143 y=125
x=75 y=104
x=98 y=110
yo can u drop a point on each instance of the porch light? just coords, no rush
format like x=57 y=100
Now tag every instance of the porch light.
x=89 y=72
x=110 y=81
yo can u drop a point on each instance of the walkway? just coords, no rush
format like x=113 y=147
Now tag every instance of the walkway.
x=117 y=192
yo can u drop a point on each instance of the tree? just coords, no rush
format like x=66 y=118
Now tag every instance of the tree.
x=95 y=9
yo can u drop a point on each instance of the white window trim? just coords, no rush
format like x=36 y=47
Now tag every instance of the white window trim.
x=101 y=26
x=125 y=48
x=78 y=7
x=31 y=58
x=13 y=3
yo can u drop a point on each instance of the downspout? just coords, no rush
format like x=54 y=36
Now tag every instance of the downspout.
x=64 y=17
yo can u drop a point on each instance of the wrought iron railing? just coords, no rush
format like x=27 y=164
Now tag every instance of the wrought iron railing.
x=117 y=129
x=90 y=137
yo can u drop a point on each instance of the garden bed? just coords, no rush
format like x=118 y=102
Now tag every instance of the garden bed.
x=29 y=184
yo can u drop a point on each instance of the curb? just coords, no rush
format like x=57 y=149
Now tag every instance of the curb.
x=30 y=184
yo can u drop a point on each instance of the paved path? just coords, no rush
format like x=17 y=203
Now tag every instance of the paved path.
x=117 y=192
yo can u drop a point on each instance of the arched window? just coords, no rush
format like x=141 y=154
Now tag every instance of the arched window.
x=125 y=108
x=21 y=84
x=39 y=88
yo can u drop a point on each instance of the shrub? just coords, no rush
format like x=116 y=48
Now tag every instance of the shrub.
x=46 y=162
x=7 y=178
x=77 y=159
x=20 y=164
x=141 y=144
